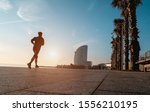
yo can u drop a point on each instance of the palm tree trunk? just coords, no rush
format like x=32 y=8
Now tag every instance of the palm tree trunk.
x=114 y=54
x=126 y=42
x=120 y=47
x=120 y=53
x=134 y=45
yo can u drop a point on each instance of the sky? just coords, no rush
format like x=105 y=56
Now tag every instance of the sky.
x=66 y=25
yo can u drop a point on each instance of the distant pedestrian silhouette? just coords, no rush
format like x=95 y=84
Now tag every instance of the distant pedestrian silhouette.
x=37 y=43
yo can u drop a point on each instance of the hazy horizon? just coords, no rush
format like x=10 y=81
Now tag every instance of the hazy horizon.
x=66 y=25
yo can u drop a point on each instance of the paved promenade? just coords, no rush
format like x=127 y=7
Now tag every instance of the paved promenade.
x=49 y=81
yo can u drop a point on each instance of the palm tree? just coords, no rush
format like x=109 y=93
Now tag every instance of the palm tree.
x=123 y=6
x=134 y=45
x=119 y=34
x=114 y=54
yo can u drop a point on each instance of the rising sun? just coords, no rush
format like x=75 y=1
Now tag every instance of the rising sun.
x=53 y=55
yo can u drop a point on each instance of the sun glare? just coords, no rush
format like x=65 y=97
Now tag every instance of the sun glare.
x=53 y=55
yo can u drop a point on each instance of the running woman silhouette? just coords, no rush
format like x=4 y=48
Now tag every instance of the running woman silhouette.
x=37 y=43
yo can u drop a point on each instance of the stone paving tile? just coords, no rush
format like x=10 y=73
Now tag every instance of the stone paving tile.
x=24 y=92
x=127 y=83
x=108 y=92
x=48 y=81
x=75 y=87
x=5 y=89
x=68 y=81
